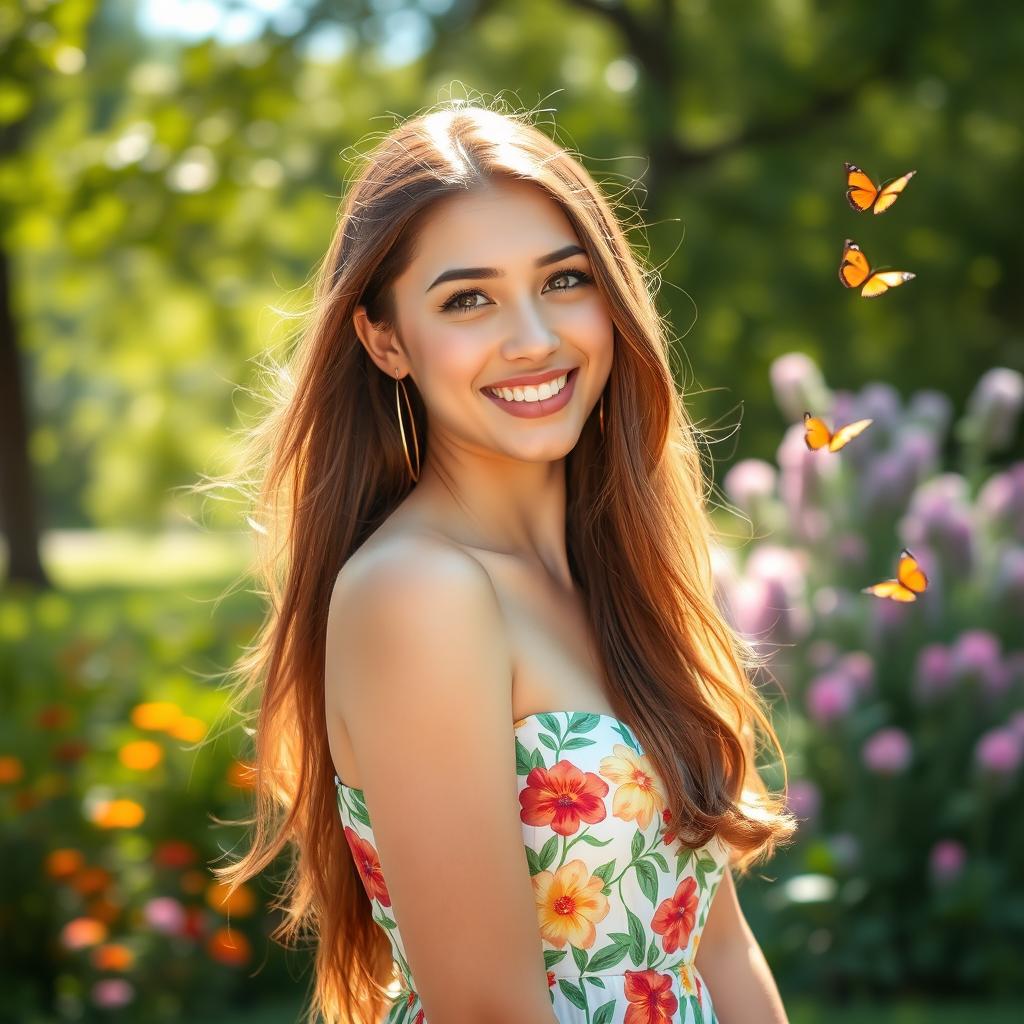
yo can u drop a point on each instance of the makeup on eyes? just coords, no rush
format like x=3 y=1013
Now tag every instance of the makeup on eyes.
x=450 y=304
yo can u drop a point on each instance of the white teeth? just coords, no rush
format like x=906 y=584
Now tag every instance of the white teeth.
x=531 y=393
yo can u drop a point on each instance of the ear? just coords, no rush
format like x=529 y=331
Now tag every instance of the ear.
x=379 y=341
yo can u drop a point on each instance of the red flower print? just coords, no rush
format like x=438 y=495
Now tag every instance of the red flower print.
x=650 y=996
x=419 y=1018
x=675 y=917
x=562 y=797
x=368 y=864
x=551 y=978
x=669 y=834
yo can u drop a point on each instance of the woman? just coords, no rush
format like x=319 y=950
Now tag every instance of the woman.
x=498 y=702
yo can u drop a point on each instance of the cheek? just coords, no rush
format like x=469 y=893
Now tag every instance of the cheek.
x=455 y=357
x=590 y=329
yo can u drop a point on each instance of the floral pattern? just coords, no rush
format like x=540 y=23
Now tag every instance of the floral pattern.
x=621 y=902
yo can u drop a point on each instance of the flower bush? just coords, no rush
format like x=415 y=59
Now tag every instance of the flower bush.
x=903 y=723
x=108 y=906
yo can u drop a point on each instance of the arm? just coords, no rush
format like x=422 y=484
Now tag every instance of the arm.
x=418 y=662
x=731 y=962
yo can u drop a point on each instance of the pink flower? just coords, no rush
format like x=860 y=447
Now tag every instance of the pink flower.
x=888 y=751
x=977 y=657
x=1000 y=751
x=830 y=697
x=749 y=482
x=804 y=799
x=112 y=993
x=859 y=668
x=933 y=677
x=947 y=859
x=798 y=386
x=164 y=914
x=994 y=406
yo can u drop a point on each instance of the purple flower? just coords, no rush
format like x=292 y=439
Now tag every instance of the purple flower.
x=759 y=609
x=1000 y=751
x=940 y=517
x=749 y=483
x=887 y=751
x=1017 y=724
x=850 y=551
x=845 y=847
x=887 y=484
x=112 y=993
x=821 y=654
x=164 y=914
x=933 y=676
x=799 y=386
x=1009 y=583
x=859 y=668
x=933 y=409
x=830 y=697
x=881 y=402
x=802 y=474
x=994 y=406
x=947 y=859
x=977 y=657
x=1001 y=501
x=920 y=452
x=804 y=799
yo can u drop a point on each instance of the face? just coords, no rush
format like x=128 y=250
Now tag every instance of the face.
x=499 y=289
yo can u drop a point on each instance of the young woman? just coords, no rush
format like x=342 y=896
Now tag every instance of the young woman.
x=501 y=720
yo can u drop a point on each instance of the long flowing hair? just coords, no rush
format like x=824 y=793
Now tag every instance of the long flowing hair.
x=325 y=466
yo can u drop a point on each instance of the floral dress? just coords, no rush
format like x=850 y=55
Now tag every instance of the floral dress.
x=621 y=902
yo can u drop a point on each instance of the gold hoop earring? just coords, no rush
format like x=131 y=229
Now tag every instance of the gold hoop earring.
x=412 y=426
x=600 y=413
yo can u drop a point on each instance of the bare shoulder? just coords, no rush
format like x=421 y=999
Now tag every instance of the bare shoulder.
x=409 y=598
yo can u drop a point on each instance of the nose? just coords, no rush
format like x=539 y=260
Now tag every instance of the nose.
x=532 y=336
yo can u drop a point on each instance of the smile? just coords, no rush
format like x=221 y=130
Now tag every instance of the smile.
x=533 y=401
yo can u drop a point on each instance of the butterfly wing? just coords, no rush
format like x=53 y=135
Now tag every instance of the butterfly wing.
x=861 y=191
x=846 y=434
x=890 y=191
x=882 y=280
x=816 y=434
x=909 y=573
x=892 y=589
x=854 y=268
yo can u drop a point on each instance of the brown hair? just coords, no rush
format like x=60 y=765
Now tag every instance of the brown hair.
x=330 y=467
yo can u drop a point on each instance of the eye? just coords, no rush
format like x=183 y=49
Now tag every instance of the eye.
x=454 y=303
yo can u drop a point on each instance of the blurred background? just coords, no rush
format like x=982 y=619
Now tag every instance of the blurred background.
x=170 y=172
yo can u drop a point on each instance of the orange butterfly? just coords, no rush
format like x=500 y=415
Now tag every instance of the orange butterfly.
x=854 y=271
x=863 y=194
x=910 y=581
x=817 y=435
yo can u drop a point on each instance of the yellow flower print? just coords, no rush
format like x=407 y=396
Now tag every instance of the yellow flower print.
x=640 y=793
x=686 y=979
x=569 y=904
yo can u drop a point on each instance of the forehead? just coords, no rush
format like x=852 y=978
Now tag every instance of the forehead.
x=503 y=224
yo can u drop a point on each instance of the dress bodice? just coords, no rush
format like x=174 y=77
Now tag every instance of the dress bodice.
x=621 y=902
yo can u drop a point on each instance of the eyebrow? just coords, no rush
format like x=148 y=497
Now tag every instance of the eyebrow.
x=462 y=273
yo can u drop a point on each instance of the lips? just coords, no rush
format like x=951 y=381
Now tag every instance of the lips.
x=532 y=379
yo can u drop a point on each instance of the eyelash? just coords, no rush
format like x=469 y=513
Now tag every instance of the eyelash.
x=450 y=306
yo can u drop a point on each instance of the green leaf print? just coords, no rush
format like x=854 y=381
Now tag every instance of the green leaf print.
x=550 y=723
x=637 y=845
x=548 y=741
x=537 y=758
x=594 y=841
x=682 y=859
x=605 y=871
x=648 y=879
x=609 y=956
x=659 y=860
x=637 y=937
x=524 y=762
x=573 y=993
x=547 y=853
x=604 y=1013
x=580 y=956
x=533 y=862
x=596 y=982
x=575 y=744
x=583 y=721
x=552 y=957
x=624 y=732
x=698 y=1013
x=652 y=953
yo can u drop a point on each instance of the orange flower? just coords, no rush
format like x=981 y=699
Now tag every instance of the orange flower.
x=368 y=865
x=156 y=714
x=90 y=880
x=189 y=729
x=141 y=755
x=119 y=814
x=569 y=903
x=104 y=909
x=242 y=774
x=640 y=793
x=81 y=932
x=63 y=862
x=228 y=946
x=174 y=853
x=670 y=831
x=113 y=956
x=53 y=716
x=686 y=978
x=650 y=996
x=562 y=797
x=11 y=768
x=239 y=903
x=675 y=917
